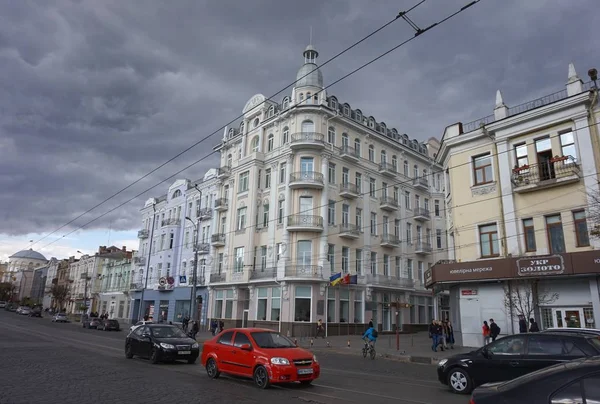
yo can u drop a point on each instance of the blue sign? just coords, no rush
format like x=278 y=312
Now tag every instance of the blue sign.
x=182 y=279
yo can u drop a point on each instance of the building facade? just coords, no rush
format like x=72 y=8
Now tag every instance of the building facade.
x=50 y=276
x=519 y=187
x=60 y=290
x=310 y=188
x=164 y=264
x=20 y=272
x=115 y=285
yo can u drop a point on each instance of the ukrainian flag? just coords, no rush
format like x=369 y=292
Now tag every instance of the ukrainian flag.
x=335 y=279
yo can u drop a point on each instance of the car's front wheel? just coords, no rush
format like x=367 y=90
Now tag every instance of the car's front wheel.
x=128 y=352
x=154 y=358
x=261 y=377
x=211 y=369
x=459 y=381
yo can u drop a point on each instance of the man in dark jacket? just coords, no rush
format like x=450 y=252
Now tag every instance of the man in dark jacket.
x=494 y=329
x=522 y=324
x=533 y=326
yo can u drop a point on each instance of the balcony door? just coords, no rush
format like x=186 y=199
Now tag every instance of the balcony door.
x=307 y=165
x=306 y=206
x=543 y=148
x=304 y=253
x=308 y=127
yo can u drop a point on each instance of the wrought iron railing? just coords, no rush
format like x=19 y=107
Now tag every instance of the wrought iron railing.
x=421 y=181
x=266 y=273
x=171 y=222
x=144 y=233
x=423 y=247
x=218 y=238
x=390 y=239
x=223 y=171
x=387 y=167
x=304 y=271
x=422 y=212
x=206 y=212
x=221 y=203
x=386 y=200
x=305 y=221
x=349 y=228
x=217 y=277
x=553 y=169
x=349 y=151
x=307 y=176
x=349 y=187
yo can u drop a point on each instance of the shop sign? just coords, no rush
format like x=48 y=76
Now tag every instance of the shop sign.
x=428 y=277
x=469 y=292
x=535 y=266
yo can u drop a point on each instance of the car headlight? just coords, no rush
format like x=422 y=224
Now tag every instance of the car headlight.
x=280 y=361
x=195 y=346
x=315 y=359
x=442 y=362
x=167 y=346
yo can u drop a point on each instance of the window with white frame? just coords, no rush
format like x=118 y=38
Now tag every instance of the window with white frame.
x=407 y=200
x=241 y=218
x=244 y=181
x=265 y=215
x=268 y=178
x=331 y=212
x=220 y=263
x=302 y=303
x=371 y=153
x=270 y=142
x=409 y=268
x=409 y=238
x=373 y=263
x=436 y=208
x=372 y=188
x=359 y=262
x=345 y=260
x=358 y=306
x=238 y=265
x=373 y=223
x=304 y=253
x=405 y=168
x=438 y=238
x=285 y=137
x=263 y=257
x=398 y=267
x=344 y=305
x=345 y=175
x=345 y=214
x=280 y=208
x=219 y=298
x=331 y=305
x=359 y=221
x=254 y=144
x=331 y=256
x=358 y=182
x=261 y=304
x=331 y=173
x=282 y=173
x=357 y=147
x=331 y=135
x=275 y=304
x=567 y=145
x=397 y=228
x=228 y=304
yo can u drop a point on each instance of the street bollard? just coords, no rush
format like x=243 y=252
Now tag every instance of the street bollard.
x=311 y=342
x=348 y=343
x=328 y=344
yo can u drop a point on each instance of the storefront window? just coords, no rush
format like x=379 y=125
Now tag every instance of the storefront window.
x=344 y=305
x=182 y=310
x=302 y=303
x=330 y=305
x=229 y=304
x=413 y=310
x=261 y=310
x=386 y=312
x=275 y=303
x=164 y=311
x=358 y=306
x=218 y=313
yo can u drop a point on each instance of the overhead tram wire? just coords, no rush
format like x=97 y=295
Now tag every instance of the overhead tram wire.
x=203 y=158
x=402 y=14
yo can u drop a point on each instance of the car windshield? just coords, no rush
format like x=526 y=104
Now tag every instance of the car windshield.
x=167 y=332
x=266 y=339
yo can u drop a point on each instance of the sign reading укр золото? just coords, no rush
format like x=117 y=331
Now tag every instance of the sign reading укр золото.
x=534 y=266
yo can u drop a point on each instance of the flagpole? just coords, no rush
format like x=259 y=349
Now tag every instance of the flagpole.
x=326 y=309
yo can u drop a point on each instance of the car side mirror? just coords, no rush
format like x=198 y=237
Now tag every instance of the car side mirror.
x=146 y=335
x=246 y=347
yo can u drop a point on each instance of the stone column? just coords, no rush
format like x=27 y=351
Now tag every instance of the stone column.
x=324 y=207
x=272 y=225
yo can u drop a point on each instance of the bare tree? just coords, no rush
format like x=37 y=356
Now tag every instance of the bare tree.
x=520 y=297
x=60 y=293
x=7 y=289
x=594 y=214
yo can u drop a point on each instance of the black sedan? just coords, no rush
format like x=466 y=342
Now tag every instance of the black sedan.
x=109 y=325
x=574 y=382
x=160 y=342
x=513 y=356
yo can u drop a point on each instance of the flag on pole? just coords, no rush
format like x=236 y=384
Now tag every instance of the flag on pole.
x=353 y=279
x=346 y=279
x=335 y=279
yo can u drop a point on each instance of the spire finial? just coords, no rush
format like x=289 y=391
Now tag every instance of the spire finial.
x=310 y=38
x=499 y=99
x=572 y=73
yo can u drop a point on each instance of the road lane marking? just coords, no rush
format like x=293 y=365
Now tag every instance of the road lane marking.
x=366 y=393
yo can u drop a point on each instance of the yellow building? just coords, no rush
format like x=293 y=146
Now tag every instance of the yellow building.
x=518 y=189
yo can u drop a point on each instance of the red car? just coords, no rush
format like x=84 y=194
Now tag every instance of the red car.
x=263 y=355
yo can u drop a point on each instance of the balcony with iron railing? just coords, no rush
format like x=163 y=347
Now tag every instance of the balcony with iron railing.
x=139 y=260
x=388 y=169
x=305 y=223
x=304 y=271
x=205 y=214
x=390 y=240
x=221 y=204
x=223 y=172
x=421 y=183
x=144 y=233
x=349 y=190
x=421 y=214
x=349 y=153
x=389 y=204
x=306 y=179
x=423 y=248
x=136 y=286
x=349 y=231
x=263 y=273
x=555 y=172
x=385 y=280
x=218 y=240
x=307 y=140
x=170 y=222
x=218 y=277
x=203 y=248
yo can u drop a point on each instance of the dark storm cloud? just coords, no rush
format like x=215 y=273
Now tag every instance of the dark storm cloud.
x=93 y=94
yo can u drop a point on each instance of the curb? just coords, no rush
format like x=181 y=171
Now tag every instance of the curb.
x=422 y=360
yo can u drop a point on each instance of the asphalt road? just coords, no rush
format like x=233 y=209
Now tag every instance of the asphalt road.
x=41 y=361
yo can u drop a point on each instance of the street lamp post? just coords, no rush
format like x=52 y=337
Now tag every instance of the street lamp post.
x=195 y=273
x=140 y=317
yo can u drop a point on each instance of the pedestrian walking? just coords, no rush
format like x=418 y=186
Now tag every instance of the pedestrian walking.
x=533 y=326
x=485 y=330
x=320 y=329
x=494 y=330
x=522 y=324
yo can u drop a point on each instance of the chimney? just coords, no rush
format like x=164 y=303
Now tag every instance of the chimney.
x=124 y=248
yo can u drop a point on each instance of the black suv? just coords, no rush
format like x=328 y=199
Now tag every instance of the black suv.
x=36 y=311
x=513 y=356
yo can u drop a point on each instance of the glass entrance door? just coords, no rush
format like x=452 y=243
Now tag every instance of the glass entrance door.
x=568 y=318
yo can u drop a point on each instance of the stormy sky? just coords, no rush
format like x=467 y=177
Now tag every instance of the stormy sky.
x=95 y=94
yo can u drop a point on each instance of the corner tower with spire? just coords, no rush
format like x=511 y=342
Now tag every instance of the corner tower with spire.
x=309 y=80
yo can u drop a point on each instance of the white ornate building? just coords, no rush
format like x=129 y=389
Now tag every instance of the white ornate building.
x=21 y=266
x=310 y=187
x=169 y=222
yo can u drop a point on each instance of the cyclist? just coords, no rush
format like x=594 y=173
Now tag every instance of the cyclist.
x=370 y=336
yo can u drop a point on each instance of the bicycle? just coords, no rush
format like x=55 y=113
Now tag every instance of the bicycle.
x=368 y=349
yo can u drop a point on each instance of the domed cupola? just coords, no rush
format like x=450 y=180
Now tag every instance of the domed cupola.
x=309 y=75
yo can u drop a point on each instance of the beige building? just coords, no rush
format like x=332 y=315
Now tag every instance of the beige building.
x=310 y=188
x=518 y=186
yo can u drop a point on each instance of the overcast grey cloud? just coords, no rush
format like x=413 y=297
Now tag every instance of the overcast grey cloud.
x=94 y=94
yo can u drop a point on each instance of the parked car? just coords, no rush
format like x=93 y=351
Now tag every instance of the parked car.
x=109 y=325
x=569 y=382
x=266 y=356
x=60 y=318
x=133 y=327
x=161 y=342
x=92 y=322
x=36 y=311
x=513 y=356
x=2 y=304
x=588 y=331
x=25 y=311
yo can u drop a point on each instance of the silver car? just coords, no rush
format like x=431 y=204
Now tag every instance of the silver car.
x=60 y=318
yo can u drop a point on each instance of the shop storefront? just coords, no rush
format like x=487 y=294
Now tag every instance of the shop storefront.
x=556 y=290
x=170 y=305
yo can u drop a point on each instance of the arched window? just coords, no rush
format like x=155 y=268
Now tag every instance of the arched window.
x=308 y=97
x=229 y=160
x=286 y=103
x=230 y=133
x=254 y=144
x=371 y=123
x=357 y=146
x=383 y=157
x=359 y=115
x=255 y=122
x=333 y=103
x=176 y=194
x=308 y=126
x=285 y=136
x=425 y=174
x=331 y=135
x=270 y=141
x=347 y=110
x=372 y=153
x=344 y=140
x=406 y=168
x=316 y=99
x=301 y=97
x=395 y=163
x=416 y=171
x=242 y=126
x=271 y=111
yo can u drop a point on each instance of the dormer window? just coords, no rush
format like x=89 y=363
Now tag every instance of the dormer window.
x=176 y=194
x=286 y=103
x=346 y=110
x=359 y=116
x=371 y=123
x=271 y=111
x=230 y=133
x=333 y=103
